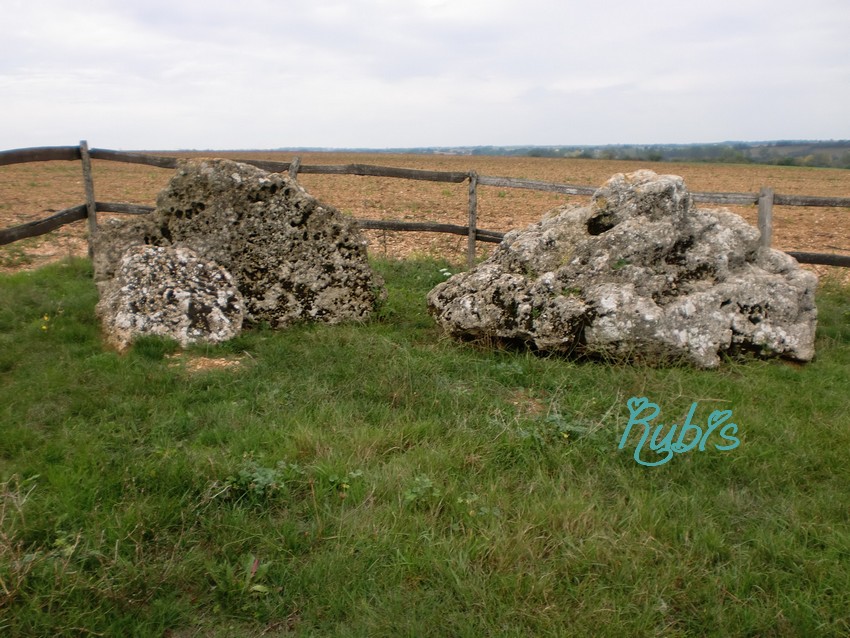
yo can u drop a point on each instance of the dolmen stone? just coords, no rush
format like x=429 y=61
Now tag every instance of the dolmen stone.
x=293 y=258
x=638 y=275
x=169 y=292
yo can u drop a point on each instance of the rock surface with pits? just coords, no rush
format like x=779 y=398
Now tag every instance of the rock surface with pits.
x=292 y=258
x=639 y=274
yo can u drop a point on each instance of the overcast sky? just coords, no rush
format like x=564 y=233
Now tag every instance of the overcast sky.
x=209 y=74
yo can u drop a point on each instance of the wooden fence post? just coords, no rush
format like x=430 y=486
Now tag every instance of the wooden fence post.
x=293 y=167
x=91 y=207
x=766 y=216
x=473 y=218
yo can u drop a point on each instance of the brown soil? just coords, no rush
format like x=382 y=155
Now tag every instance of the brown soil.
x=34 y=191
x=197 y=364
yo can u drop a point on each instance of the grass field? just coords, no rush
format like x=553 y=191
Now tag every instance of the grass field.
x=380 y=480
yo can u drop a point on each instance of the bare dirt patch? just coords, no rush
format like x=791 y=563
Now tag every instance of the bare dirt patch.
x=197 y=364
x=34 y=191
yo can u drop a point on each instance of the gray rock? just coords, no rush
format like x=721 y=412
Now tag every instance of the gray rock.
x=169 y=292
x=114 y=238
x=640 y=274
x=294 y=259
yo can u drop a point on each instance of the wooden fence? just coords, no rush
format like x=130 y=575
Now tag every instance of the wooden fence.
x=765 y=199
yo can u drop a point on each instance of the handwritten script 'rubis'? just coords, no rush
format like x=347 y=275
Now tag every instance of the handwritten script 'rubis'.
x=642 y=411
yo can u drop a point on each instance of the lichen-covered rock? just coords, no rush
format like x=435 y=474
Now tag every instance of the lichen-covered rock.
x=169 y=292
x=640 y=274
x=112 y=241
x=294 y=258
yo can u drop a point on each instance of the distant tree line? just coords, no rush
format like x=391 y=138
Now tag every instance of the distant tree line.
x=831 y=154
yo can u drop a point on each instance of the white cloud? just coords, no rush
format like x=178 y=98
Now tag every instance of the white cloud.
x=264 y=73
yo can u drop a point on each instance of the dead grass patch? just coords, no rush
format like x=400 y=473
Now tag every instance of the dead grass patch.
x=196 y=364
x=527 y=404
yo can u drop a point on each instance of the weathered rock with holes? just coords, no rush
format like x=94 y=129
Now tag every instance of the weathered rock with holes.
x=640 y=274
x=169 y=292
x=294 y=258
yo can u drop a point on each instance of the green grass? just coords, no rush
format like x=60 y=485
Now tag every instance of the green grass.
x=381 y=480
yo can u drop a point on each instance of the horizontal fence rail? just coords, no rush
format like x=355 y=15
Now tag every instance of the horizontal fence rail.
x=729 y=199
x=42 y=226
x=280 y=167
x=134 y=158
x=765 y=200
x=126 y=209
x=511 y=182
x=821 y=259
x=491 y=236
x=40 y=154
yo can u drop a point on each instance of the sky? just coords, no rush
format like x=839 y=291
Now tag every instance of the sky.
x=264 y=74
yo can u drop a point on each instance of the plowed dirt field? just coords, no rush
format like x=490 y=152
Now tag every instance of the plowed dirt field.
x=34 y=191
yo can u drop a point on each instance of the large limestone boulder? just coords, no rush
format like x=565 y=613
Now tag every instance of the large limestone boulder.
x=639 y=274
x=293 y=258
x=169 y=292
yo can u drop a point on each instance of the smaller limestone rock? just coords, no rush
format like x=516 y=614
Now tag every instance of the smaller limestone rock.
x=169 y=292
